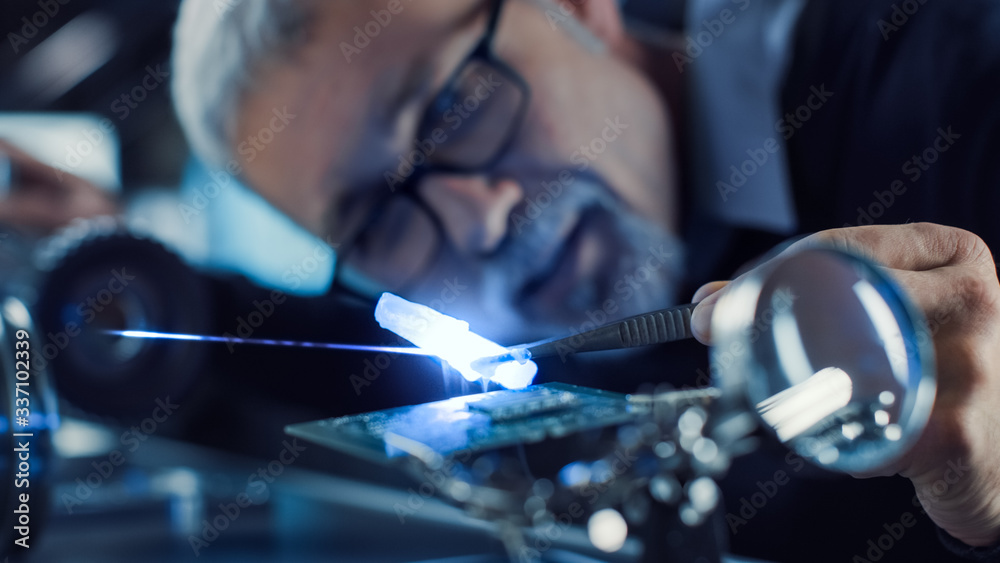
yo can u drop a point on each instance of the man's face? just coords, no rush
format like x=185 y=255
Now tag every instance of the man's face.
x=571 y=223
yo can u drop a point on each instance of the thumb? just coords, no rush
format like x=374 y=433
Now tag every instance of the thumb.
x=701 y=318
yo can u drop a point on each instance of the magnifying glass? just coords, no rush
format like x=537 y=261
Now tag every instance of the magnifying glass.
x=830 y=354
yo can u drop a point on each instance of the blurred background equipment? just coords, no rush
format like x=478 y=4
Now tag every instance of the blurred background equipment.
x=81 y=144
x=98 y=278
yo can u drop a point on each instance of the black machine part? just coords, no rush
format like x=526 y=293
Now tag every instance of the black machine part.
x=108 y=279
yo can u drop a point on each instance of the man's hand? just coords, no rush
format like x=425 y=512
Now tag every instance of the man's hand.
x=950 y=274
x=40 y=200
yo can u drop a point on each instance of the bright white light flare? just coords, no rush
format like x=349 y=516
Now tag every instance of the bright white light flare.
x=451 y=340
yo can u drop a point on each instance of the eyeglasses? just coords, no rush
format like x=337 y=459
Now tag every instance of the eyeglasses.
x=466 y=129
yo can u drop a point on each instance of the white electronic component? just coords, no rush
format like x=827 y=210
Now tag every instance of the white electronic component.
x=451 y=340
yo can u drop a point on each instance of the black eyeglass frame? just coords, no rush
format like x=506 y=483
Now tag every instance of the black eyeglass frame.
x=482 y=52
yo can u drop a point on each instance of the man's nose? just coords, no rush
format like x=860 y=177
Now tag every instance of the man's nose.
x=474 y=210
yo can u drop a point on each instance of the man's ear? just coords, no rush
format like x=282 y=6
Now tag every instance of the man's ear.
x=602 y=17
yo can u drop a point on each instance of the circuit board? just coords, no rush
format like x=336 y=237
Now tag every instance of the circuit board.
x=472 y=423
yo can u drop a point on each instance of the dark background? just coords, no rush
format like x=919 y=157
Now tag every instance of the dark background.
x=242 y=400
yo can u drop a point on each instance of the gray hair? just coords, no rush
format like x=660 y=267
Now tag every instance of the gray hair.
x=219 y=45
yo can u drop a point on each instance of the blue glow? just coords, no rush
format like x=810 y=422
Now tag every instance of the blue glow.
x=433 y=333
x=267 y=342
x=163 y=335
x=451 y=340
x=576 y=474
x=601 y=472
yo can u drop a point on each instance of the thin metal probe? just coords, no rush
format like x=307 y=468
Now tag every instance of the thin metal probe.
x=656 y=327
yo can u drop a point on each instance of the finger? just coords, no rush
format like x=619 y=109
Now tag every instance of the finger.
x=901 y=249
x=706 y=297
x=701 y=318
x=708 y=289
x=913 y=246
x=964 y=293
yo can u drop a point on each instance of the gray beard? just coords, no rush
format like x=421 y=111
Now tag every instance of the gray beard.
x=527 y=252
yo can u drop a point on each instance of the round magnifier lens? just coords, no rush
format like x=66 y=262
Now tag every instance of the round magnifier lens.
x=830 y=354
